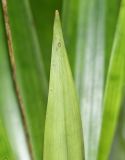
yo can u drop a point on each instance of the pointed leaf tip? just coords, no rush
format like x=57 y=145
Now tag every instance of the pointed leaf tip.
x=57 y=17
x=58 y=41
x=63 y=129
x=56 y=13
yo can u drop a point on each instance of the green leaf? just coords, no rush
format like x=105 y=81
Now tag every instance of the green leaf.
x=9 y=111
x=28 y=72
x=43 y=14
x=69 y=25
x=5 y=148
x=118 y=147
x=112 y=12
x=89 y=28
x=114 y=88
x=63 y=130
x=88 y=51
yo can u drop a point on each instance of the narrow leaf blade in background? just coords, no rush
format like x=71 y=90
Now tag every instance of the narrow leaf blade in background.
x=118 y=147
x=9 y=111
x=29 y=75
x=114 y=88
x=112 y=12
x=43 y=14
x=63 y=129
x=70 y=11
x=89 y=28
x=87 y=18
x=5 y=147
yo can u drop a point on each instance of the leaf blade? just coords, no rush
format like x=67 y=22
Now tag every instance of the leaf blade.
x=114 y=88
x=43 y=15
x=89 y=23
x=29 y=76
x=63 y=131
x=5 y=147
x=9 y=113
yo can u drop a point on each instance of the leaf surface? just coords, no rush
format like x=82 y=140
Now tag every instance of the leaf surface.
x=28 y=72
x=63 y=129
x=86 y=37
x=5 y=147
x=43 y=14
x=114 y=88
x=10 y=139
x=118 y=147
x=89 y=28
x=111 y=19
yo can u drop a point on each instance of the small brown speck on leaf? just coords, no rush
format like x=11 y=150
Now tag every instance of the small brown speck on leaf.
x=59 y=44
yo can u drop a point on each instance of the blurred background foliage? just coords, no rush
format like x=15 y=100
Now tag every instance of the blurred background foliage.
x=90 y=32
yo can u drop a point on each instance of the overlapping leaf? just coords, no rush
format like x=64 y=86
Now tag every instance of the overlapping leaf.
x=118 y=147
x=10 y=139
x=89 y=28
x=63 y=130
x=111 y=17
x=28 y=72
x=114 y=88
x=89 y=21
x=43 y=13
x=70 y=24
x=5 y=147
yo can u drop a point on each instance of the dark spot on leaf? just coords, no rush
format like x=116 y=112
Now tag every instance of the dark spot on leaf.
x=51 y=90
x=59 y=44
